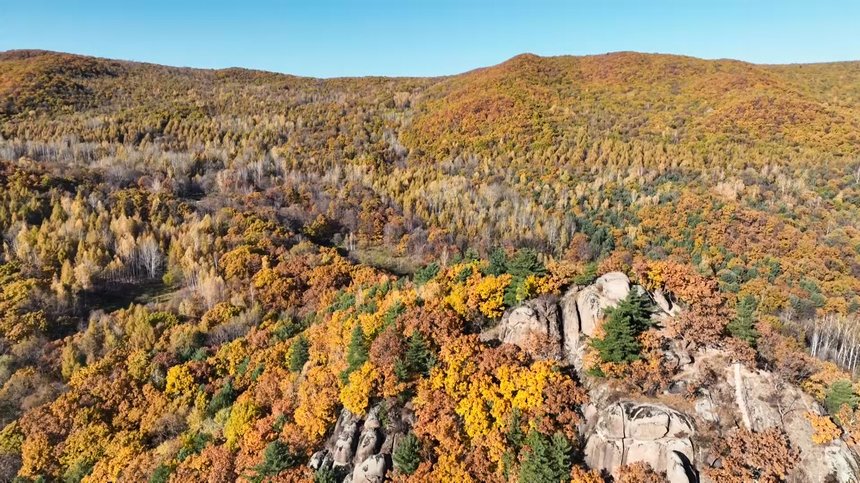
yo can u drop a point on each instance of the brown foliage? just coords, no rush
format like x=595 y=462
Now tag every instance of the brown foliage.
x=764 y=456
x=639 y=473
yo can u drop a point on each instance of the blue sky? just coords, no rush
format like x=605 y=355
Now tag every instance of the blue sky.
x=328 y=38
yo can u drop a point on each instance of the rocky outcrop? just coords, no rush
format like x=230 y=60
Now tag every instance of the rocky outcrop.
x=773 y=403
x=592 y=301
x=370 y=439
x=371 y=470
x=361 y=447
x=629 y=432
x=560 y=324
x=673 y=434
x=321 y=460
x=570 y=325
x=531 y=324
x=678 y=436
x=345 y=434
x=665 y=303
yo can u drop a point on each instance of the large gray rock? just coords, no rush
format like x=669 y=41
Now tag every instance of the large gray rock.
x=344 y=445
x=371 y=470
x=730 y=395
x=664 y=303
x=647 y=423
x=705 y=409
x=773 y=403
x=321 y=460
x=570 y=325
x=357 y=441
x=629 y=432
x=613 y=287
x=592 y=301
x=370 y=438
x=678 y=355
x=562 y=324
x=535 y=320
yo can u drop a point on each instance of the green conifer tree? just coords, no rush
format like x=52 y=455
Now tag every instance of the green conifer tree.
x=524 y=263
x=838 y=394
x=276 y=458
x=407 y=455
x=357 y=352
x=425 y=274
x=299 y=354
x=743 y=325
x=498 y=262
x=418 y=357
x=623 y=324
x=547 y=459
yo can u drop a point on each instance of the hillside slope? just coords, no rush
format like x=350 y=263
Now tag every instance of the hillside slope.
x=530 y=101
x=234 y=275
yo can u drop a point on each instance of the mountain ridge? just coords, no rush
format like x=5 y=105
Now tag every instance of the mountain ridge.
x=24 y=53
x=530 y=99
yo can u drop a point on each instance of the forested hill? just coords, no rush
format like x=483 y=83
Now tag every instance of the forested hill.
x=212 y=275
x=528 y=102
x=536 y=149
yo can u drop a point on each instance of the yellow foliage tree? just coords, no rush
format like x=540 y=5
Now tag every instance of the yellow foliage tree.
x=449 y=468
x=179 y=382
x=488 y=295
x=35 y=455
x=242 y=414
x=118 y=453
x=317 y=401
x=579 y=474
x=85 y=445
x=457 y=299
x=817 y=384
x=355 y=395
x=825 y=429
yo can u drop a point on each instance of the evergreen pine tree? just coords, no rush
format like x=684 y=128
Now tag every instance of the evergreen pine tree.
x=424 y=275
x=623 y=324
x=743 y=325
x=524 y=263
x=161 y=474
x=407 y=455
x=470 y=255
x=561 y=459
x=324 y=475
x=418 y=357
x=498 y=262
x=330 y=474
x=838 y=394
x=401 y=370
x=276 y=458
x=547 y=459
x=357 y=352
x=299 y=354
x=223 y=398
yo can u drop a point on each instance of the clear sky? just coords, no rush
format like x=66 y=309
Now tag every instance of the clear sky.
x=328 y=38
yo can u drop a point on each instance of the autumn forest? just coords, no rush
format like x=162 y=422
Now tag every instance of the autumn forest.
x=234 y=275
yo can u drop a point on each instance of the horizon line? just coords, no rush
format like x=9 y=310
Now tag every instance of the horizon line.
x=507 y=59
